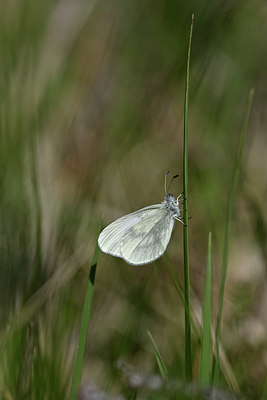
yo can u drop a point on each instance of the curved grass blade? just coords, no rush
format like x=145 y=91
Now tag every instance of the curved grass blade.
x=162 y=367
x=78 y=365
x=197 y=328
x=236 y=170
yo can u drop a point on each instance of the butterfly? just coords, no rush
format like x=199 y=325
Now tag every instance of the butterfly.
x=142 y=236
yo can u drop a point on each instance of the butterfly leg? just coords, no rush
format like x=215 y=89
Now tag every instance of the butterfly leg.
x=178 y=201
x=180 y=220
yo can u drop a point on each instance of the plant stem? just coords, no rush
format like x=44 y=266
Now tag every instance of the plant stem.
x=204 y=370
x=188 y=358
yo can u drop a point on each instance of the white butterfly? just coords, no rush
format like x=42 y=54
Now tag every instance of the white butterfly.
x=142 y=236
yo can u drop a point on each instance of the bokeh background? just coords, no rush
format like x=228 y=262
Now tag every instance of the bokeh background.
x=91 y=117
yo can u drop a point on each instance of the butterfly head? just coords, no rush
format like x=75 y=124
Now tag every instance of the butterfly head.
x=170 y=202
x=172 y=205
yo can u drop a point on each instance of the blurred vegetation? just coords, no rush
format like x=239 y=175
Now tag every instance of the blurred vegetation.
x=91 y=117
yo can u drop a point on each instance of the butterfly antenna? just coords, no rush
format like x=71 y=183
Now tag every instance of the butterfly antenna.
x=175 y=176
x=166 y=173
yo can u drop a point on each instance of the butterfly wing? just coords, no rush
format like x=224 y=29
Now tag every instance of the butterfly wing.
x=110 y=239
x=147 y=239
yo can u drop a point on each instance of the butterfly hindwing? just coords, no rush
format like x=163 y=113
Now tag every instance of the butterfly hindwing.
x=110 y=238
x=147 y=239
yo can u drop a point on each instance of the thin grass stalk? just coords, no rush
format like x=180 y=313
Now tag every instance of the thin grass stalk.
x=204 y=374
x=188 y=357
x=179 y=290
x=78 y=365
x=161 y=364
x=236 y=170
x=37 y=198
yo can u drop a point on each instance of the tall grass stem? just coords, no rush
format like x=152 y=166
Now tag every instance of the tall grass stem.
x=188 y=357
x=180 y=293
x=204 y=374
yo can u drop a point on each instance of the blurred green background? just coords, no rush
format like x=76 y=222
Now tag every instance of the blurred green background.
x=91 y=117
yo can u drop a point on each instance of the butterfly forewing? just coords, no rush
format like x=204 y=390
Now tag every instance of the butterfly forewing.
x=110 y=238
x=147 y=239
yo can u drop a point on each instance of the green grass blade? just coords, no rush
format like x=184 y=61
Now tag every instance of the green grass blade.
x=162 y=367
x=179 y=290
x=78 y=365
x=204 y=374
x=188 y=357
x=264 y=392
x=236 y=170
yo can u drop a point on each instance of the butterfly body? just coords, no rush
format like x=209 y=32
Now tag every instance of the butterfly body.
x=142 y=236
x=172 y=205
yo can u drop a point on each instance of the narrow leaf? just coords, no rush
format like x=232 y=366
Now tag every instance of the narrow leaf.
x=179 y=290
x=188 y=357
x=78 y=365
x=204 y=375
x=236 y=170
x=162 y=367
